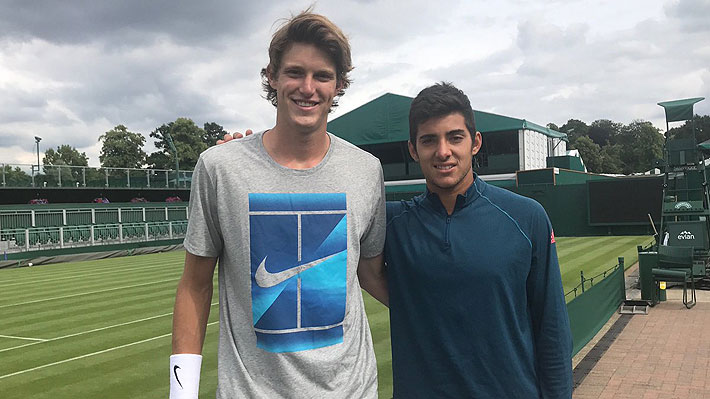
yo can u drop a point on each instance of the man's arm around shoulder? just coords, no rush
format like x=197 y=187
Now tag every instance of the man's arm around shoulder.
x=192 y=309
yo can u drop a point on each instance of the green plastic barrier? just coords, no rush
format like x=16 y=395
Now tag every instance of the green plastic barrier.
x=590 y=311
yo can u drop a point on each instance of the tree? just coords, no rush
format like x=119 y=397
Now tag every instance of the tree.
x=574 y=129
x=63 y=166
x=612 y=147
x=188 y=139
x=15 y=177
x=642 y=144
x=604 y=131
x=122 y=149
x=611 y=159
x=702 y=128
x=213 y=132
x=161 y=160
x=65 y=155
x=590 y=153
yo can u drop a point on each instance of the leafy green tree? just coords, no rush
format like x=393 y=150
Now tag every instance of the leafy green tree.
x=122 y=149
x=611 y=147
x=15 y=177
x=188 y=139
x=574 y=129
x=611 y=159
x=213 y=132
x=642 y=144
x=161 y=160
x=702 y=128
x=590 y=152
x=57 y=166
x=604 y=131
x=65 y=155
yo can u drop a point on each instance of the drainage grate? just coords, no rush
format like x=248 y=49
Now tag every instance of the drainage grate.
x=634 y=307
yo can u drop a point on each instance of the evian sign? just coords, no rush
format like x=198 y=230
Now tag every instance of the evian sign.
x=686 y=235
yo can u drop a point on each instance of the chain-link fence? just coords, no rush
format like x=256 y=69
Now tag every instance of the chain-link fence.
x=20 y=175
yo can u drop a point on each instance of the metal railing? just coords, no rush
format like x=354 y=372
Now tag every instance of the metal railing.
x=27 y=218
x=590 y=281
x=47 y=238
x=25 y=230
x=22 y=175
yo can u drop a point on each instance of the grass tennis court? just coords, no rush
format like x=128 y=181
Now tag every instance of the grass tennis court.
x=593 y=255
x=101 y=329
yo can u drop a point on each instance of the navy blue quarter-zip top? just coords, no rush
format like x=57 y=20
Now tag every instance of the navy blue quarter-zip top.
x=467 y=317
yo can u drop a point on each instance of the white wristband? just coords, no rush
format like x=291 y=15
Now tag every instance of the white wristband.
x=185 y=375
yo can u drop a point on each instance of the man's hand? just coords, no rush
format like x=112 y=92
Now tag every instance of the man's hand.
x=229 y=137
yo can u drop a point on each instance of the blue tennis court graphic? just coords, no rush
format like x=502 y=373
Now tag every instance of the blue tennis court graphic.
x=298 y=269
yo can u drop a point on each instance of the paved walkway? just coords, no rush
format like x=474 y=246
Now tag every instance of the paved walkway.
x=664 y=354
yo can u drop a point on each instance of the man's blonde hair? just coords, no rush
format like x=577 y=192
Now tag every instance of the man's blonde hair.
x=315 y=29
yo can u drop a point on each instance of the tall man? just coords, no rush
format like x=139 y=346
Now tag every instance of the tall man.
x=295 y=215
x=476 y=302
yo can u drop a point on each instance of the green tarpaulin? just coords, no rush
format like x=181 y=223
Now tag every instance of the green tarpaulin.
x=680 y=110
x=382 y=120
x=386 y=120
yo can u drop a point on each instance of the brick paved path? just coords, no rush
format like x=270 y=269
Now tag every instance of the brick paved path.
x=665 y=354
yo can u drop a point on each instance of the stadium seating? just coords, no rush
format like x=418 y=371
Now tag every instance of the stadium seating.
x=25 y=228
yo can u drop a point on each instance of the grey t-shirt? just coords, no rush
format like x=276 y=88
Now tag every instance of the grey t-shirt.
x=292 y=318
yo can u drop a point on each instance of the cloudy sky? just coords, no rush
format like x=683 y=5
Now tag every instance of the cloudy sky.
x=71 y=70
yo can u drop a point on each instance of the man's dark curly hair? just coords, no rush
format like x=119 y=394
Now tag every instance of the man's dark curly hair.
x=436 y=101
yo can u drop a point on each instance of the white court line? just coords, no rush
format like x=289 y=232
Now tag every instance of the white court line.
x=84 y=275
x=87 y=293
x=81 y=270
x=90 y=354
x=24 y=338
x=90 y=331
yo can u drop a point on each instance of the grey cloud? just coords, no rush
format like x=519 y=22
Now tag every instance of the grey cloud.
x=378 y=26
x=82 y=21
x=142 y=64
x=157 y=85
x=10 y=138
x=20 y=106
x=562 y=74
x=535 y=36
x=692 y=15
x=23 y=137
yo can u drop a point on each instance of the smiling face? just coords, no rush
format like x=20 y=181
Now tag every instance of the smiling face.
x=305 y=87
x=445 y=150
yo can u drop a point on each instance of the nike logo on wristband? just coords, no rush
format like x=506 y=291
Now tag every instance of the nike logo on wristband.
x=176 y=376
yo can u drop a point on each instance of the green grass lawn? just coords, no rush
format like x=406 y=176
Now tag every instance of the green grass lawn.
x=101 y=329
x=593 y=255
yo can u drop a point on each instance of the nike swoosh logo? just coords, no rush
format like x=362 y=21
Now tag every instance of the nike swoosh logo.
x=265 y=279
x=176 y=376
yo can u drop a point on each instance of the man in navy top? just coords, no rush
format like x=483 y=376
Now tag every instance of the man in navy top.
x=476 y=303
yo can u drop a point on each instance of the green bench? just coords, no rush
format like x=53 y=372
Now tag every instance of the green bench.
x=675 y=264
